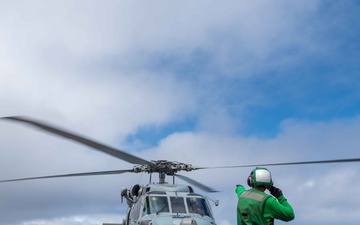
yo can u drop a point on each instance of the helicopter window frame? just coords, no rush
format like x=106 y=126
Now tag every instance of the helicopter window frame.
x=178 y=204
x=146 y=209
x=198 y=205
x=155 y=208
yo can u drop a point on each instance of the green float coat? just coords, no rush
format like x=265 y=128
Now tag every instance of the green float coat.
x=258 y=208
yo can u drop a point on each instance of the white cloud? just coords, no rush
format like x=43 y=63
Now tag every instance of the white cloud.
x=55 y=35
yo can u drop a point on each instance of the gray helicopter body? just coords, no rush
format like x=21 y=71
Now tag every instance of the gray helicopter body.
x=162 y=204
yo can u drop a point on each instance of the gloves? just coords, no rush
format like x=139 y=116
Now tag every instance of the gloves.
x=239 y=189
x=276 y=192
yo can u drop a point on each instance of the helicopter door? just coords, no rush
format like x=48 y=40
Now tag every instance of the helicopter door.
x=134 y=213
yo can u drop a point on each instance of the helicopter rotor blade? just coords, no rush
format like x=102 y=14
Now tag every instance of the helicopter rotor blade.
x=70 y=175
x=86 y=141
x=286 y=164
x=194 y=182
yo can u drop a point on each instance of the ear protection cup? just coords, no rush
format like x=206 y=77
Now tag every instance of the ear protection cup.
x=250 y=179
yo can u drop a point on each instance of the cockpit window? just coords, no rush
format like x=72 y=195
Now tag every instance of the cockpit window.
x=158 y=204
x=177 y=205
x=197 y=205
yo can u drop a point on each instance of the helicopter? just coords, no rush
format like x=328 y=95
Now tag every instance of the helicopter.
x=155 y=203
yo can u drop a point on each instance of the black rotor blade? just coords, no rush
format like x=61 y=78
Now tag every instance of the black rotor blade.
x=70 y=175
x=193 y=182
x=287 y=163
x=101 y=147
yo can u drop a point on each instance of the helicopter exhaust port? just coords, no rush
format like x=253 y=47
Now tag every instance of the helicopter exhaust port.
x=136 y=190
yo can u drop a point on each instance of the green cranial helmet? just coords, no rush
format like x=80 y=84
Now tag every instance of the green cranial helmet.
x=261 y=177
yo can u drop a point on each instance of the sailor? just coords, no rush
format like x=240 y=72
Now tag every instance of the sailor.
x=257 y=207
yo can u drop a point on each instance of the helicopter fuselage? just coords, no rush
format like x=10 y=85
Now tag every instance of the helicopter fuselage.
x=162 y=204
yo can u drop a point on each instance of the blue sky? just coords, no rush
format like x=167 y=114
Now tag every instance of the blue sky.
x=236 y=81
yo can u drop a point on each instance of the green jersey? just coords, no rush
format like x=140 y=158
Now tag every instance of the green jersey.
x=257 y=207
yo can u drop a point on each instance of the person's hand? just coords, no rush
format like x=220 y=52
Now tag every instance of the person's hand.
x=276 y=192
x=239 y=189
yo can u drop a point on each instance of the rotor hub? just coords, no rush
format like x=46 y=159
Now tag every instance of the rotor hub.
x=163 y=166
